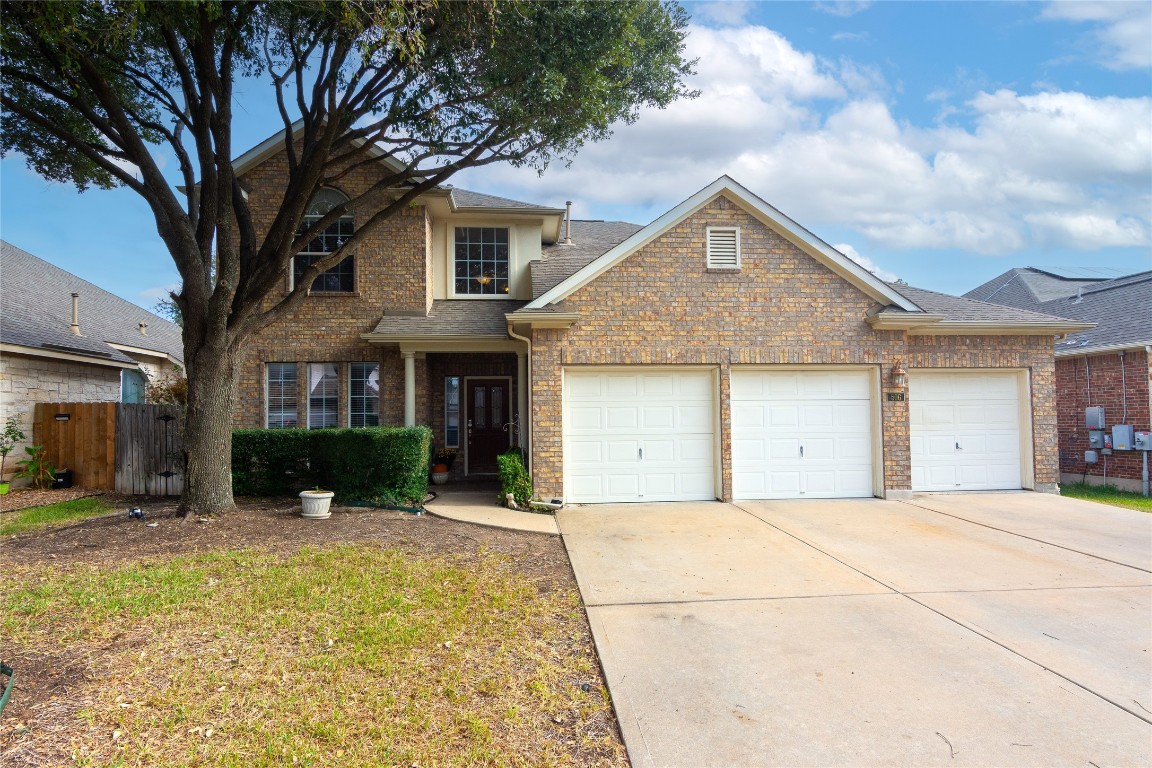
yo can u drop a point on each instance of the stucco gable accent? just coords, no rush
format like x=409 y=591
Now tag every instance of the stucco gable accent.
x=755 y=206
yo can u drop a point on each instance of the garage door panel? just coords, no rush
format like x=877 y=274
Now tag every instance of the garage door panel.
x=638 y=435
x=658 y=417
x=965 y=430
x=694 y=418
x=829 y=413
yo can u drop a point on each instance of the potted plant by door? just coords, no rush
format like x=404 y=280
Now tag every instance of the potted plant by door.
x=439 y=474
x=316 y=504
x=11 y=435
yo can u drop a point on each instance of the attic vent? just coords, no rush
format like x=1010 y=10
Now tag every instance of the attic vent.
x=723 y=247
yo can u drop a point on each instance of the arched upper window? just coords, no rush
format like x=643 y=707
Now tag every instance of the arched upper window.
x=342 y=277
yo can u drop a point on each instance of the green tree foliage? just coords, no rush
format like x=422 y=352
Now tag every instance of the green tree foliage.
x=108 y=93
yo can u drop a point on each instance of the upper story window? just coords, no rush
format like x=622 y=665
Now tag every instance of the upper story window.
x=481 y=261
x=723 y=247
x=342 y=277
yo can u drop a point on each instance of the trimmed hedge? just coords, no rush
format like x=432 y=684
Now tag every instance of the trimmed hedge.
x=514 y=478
x=382 y=465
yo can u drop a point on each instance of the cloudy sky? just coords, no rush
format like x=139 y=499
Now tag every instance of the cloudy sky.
x=941 y=143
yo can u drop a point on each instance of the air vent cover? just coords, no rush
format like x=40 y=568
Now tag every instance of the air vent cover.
x=723 y=247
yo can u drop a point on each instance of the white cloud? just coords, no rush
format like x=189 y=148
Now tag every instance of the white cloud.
x=817 y=140
x=851 y=252
x=1122 y=34
x=152 y=295
x=843 y=7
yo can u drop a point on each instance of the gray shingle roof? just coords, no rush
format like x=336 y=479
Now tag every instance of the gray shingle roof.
x=1120 y=307
x=1028 y=286
x=453 y=317
x=463 y=198
x=957 y=309
x=590 y=240
x=36 y=311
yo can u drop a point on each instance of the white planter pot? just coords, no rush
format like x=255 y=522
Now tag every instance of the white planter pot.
x=439 y=478
x=315 y=504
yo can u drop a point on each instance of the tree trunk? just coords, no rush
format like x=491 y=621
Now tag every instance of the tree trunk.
x=208 y=431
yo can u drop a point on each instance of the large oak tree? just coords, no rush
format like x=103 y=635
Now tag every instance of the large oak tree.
x=103 y=93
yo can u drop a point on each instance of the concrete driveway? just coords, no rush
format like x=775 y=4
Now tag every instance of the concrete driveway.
x=991 y=629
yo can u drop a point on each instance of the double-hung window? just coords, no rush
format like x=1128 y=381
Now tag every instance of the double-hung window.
x=364 y=395
x=323 y=395
x=342 y=277
x=281 y=392
x=481 y=261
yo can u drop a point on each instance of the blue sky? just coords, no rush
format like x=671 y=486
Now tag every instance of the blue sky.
x=941 y=143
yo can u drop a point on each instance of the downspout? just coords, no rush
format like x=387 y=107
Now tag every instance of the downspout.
x=528 y=416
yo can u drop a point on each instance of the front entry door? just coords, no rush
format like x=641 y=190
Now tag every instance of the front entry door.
x=487 y=401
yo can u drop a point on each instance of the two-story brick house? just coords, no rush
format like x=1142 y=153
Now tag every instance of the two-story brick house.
x=722 y=351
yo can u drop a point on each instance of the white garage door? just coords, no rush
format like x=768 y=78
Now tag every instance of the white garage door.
x=635 y=435
x=965 y=431
x=801 y=434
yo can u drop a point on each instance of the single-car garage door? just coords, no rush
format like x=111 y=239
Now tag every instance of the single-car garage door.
x=965 y=430
x=639 y=435
x=801 y=434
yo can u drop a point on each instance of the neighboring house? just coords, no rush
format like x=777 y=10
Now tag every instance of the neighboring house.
x=63 y=339
x=722 y=351
x=1108 y=365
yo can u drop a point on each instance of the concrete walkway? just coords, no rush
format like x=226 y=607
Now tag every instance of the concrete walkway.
x=1008 y=629
x=480 y=507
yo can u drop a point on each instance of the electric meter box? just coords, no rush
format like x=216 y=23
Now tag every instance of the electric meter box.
x=1096 y=438
x=1094 y=417
x=1122 y=437
x=1142 y=441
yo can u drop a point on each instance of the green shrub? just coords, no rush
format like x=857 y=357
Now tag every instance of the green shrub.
x=514 y=478
x=383 y=465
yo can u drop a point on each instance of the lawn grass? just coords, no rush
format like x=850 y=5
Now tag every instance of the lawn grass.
x=1107 y=494
x=33 y=518
x=345 y=655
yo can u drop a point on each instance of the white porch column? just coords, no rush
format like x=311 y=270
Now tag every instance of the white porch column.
x=409 y=388
x=522 y=398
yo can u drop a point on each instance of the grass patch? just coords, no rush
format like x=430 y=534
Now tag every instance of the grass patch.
x=1107 y=494
x=33 y=518
x=344 y=655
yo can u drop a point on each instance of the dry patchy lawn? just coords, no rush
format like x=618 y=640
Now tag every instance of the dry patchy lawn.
x=371 y=638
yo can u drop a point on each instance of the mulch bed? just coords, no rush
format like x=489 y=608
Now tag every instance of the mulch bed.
x=22 y=498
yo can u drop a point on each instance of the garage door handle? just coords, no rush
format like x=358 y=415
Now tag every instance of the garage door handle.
x=641 y=451
x=958 y=447
x=801 y=451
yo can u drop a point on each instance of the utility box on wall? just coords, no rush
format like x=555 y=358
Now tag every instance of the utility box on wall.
x=1122 y=437
x=1090 y=457
x=1142 y=441
x=1094 y=417
x=1096 y=438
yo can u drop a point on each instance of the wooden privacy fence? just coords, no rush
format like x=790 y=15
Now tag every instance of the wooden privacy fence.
x=128 y=448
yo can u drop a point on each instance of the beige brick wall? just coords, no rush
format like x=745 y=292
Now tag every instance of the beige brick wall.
x=662 y=306
x=391 y=274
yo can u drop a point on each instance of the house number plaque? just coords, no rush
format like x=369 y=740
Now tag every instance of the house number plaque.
x=896 y=396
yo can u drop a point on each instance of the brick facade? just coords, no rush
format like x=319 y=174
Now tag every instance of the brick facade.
x=663 y=306
x=1112 y=380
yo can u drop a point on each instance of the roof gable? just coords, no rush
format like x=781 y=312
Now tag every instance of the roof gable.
x=758 y=208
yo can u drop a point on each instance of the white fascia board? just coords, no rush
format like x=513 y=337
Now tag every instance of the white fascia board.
x=18 y=349
x=144 y=351
x=814 y=246
x=1103 y=349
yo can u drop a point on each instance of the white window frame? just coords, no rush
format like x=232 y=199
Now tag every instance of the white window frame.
x=450 y=259
x=459 y=410
x=268 y=396
x=712 y=263
x=352 y=256
x=308 y=394
x=379 y=392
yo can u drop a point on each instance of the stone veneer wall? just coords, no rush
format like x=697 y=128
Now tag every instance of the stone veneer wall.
x=663 y=306
x=25 y=381
x=1108 y=380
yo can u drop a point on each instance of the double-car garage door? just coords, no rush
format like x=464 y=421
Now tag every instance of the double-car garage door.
x=650 y=434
